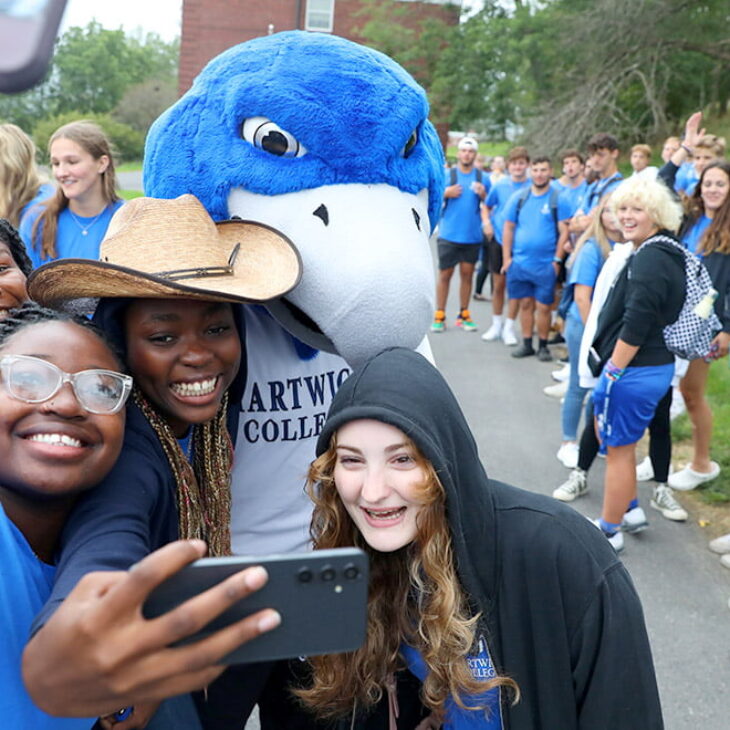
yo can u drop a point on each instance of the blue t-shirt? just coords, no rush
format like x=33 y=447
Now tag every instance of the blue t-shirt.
x=461 y=221
x=686 y=179
x=25 y=584
x=45 y=191
x=535 y=236
x=571 y=200
x=692 y=237
x=71 y=242
x=457 y=718
x=585 y=270
x=596 y=190
x=497 y=200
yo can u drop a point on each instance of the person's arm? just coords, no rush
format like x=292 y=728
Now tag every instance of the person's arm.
x=582 y=295
x=452 y=191
x=612 y=632
x=563 y=247
x=485 y=214
x=98 y=653
x=508 y=234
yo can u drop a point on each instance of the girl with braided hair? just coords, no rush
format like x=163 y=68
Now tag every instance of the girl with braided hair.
x=170 y=282
x=14 y=269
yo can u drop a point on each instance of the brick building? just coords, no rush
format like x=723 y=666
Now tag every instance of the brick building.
x=211 y=26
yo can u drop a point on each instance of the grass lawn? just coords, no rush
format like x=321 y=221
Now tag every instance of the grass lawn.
x=129 y=194
x=718 y=394
x=132 y=166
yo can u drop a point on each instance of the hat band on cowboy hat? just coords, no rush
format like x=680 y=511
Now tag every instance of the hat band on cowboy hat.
x=234 y=261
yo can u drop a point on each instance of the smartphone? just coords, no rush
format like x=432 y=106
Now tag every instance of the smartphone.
x=28 y=30
x=321 y=596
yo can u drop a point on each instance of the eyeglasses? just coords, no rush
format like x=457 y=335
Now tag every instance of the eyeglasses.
x=33 y=380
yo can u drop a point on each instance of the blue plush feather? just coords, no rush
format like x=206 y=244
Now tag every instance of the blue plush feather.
x=351 y=107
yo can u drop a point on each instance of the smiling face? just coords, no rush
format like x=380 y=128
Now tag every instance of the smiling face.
x=380 y=481
x=77 y=171
x=56 y=448
x=636 y=223
x=12 y=282
x=183 y=355
x=517 y=169
x=714 y=190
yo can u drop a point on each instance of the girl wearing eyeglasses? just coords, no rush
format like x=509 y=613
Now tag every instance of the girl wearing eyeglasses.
x=57 y=442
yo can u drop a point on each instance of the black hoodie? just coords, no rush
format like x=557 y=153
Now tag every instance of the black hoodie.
x=559 y=610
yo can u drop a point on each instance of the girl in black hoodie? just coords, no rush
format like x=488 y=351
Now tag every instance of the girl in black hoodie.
x=509 y=607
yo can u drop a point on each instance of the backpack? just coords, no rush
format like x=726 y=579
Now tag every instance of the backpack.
x=690 y=335
x=554 y=194
x=453 y=180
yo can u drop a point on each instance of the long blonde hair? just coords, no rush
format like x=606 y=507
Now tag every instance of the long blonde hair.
x=596 y=230
x=20 y=180
x=91 y=138
x=414 y=597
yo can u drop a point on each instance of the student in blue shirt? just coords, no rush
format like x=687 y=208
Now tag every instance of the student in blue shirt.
x=531 y=255
x=21 y=185
x=518 y=162
x=72 y=223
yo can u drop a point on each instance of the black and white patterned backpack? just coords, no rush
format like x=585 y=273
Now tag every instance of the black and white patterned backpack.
x=690 y=336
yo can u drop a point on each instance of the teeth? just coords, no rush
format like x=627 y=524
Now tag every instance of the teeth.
x=57 y=439
x=200 y=387
x=385 y=515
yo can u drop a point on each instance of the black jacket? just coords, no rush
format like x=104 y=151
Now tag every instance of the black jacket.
x=647 y=295
x=559 y=610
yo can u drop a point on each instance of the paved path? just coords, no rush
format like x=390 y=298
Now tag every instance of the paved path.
x=683 y=587
x=130 y=180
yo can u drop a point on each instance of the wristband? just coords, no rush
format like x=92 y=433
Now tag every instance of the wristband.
x=557 y=260
x=613 y=372
x=686 y=149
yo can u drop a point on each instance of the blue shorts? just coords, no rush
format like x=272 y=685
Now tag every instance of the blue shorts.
x=624 y=408
x=523 y=283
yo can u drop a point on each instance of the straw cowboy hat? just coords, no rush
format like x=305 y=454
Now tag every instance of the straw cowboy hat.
x=168 y=249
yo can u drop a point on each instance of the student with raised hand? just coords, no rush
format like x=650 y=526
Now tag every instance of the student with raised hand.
x=72 y=223
x=510 y=609
x=169 y=279
x=21 y=184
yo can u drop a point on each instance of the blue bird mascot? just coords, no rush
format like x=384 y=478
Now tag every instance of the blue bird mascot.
x=329 y=142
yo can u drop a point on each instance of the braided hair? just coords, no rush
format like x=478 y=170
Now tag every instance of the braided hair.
x=31 y=313
x=9 y=235
x=203 y=488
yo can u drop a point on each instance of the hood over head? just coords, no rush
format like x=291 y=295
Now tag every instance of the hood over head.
x=401 y=388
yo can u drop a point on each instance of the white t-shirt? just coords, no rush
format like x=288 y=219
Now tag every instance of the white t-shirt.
x=283 y=411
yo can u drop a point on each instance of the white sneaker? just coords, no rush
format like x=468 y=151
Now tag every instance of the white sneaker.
x=725 y=560
x=568 y=455
x=575 y=486
x=616 y=541
x=645 y=470
x=720 y=544
x=562 y=375
x=508 y=336
x=557 y=390
x=493 y=332
x=663 y=501
x=688 y=478
x=634 y=521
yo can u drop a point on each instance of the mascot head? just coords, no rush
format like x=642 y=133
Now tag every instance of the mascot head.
x=329 y=142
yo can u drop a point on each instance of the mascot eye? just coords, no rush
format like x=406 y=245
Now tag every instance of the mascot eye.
x=410 y=144
x=270 y=137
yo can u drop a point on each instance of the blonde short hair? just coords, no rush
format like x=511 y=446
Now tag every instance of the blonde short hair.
x=643 y=148
x=651 y=195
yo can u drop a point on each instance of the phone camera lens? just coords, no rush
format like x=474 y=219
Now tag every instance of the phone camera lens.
x=305 y=575
x=328 y=573
x=351 y=571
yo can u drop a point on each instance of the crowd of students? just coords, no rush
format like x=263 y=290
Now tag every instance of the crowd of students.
x=119 y=429
x=584 y=252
